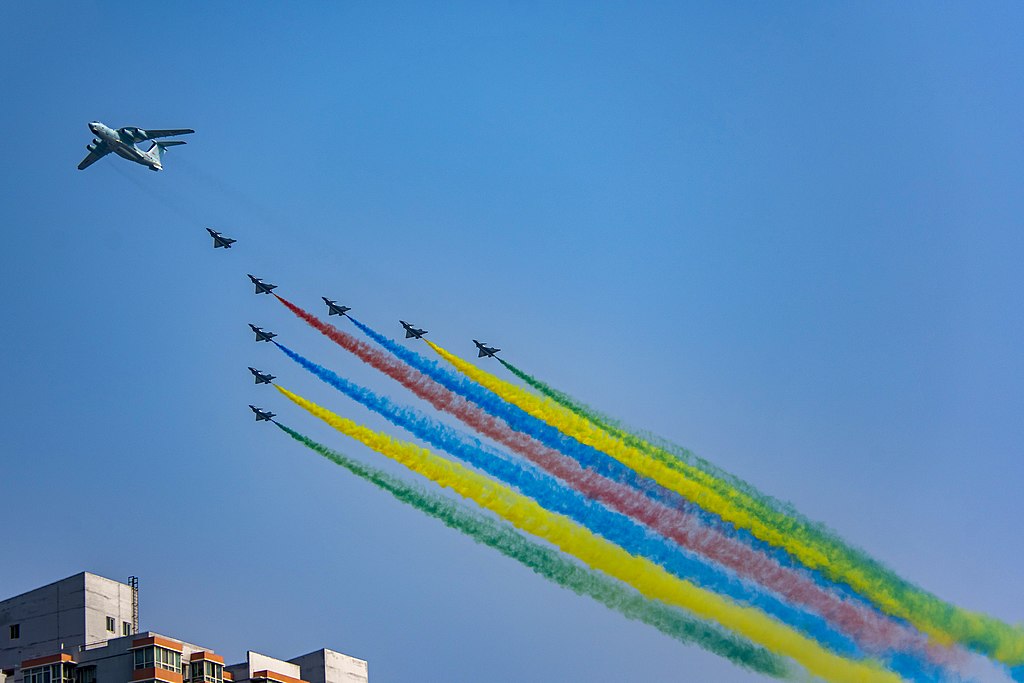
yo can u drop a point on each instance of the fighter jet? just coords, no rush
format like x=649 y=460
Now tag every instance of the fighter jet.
x=261 y=377
x=333 y=308
x=262 y=414
x=411 y=331
x=220 y=240
x=122 y=143
x=261 y=286
x=485 y=350
x=261 y=334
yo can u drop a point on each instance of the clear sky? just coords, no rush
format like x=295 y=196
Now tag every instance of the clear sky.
x=788 y=236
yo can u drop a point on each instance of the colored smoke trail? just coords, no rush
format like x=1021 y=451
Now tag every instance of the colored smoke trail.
x=520 y=421
x=685 y=479
x=438 y=385
x=812 y=545
x=880 y=633
x=420 y=375
x=649 y=579
x=633 y=437
x=553 y=566
x=653 y=445
x=586 y=455
x=556 y=497
x=869 y=628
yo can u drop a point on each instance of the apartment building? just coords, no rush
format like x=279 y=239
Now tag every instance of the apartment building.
x=84 y=629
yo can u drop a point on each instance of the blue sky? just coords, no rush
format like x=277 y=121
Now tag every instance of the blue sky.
x=787 y=237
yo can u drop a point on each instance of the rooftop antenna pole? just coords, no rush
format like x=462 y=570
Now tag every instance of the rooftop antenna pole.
x=133 y=581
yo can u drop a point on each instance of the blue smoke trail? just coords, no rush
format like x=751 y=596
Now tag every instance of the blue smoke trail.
x=593 y=459
x=615 y=527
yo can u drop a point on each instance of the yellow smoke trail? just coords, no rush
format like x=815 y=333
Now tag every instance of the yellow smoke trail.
x=812 y=549
x=692 y=483
x=649 y=579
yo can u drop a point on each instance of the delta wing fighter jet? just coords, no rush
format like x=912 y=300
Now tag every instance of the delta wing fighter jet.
x=261 y=286
x=122 y=143
x=220 y=240
x=262 y=414
x=261 y=377
x=485 y=350
x=334 y=308
x=261 y=334
x=411 y=331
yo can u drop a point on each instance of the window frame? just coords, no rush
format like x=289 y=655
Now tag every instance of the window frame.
x=60 y=672
x=157 y=657
x=85 y=674
x=205 y=671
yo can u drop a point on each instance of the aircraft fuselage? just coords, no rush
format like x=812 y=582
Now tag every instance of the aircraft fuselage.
x=124 y=149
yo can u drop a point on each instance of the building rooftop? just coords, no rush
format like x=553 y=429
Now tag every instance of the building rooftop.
x=84 y=629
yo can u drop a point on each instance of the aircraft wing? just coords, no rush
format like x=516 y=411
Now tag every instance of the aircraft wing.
x=94 y=156
x=147 y=134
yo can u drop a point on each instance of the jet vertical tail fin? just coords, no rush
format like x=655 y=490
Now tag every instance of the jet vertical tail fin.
x=159 y=147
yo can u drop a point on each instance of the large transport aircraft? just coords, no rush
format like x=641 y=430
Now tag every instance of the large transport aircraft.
x=122 y=143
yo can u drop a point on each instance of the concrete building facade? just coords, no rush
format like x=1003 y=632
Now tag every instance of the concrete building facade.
x=84 y=629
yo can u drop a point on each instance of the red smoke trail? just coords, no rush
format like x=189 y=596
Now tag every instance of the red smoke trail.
x=875 y=632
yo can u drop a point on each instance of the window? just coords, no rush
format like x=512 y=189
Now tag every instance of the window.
x=37 y=674
x=15 y=631
x=126 y=628
x=144 y=658
x=85 y=675
x=158 y=657
x=50 y=673
x=206 y=672
x=110 y=624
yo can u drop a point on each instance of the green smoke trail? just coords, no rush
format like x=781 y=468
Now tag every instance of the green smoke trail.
x=555 y=567
x=651 y=444
x=671 y=453
x=662 y=449
x=874 y=580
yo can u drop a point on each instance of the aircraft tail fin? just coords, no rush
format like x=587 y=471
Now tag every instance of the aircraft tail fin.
x=159 y=147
